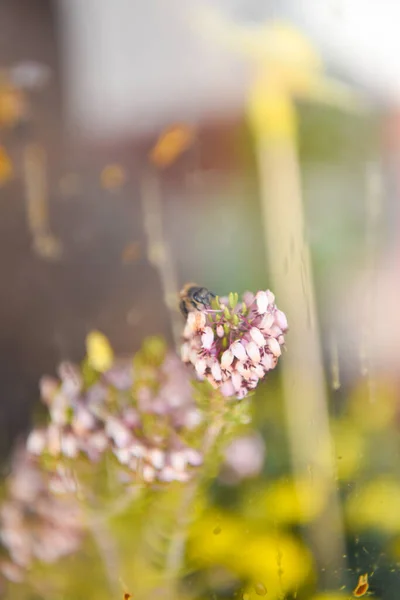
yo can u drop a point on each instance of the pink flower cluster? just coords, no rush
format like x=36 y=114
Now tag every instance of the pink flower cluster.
x=141 y=414
x=35 y=523
x=234 y=344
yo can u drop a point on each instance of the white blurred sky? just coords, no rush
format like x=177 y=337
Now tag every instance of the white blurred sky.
x=134 y=65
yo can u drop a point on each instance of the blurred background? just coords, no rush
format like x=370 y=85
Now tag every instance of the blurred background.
x=242 y=145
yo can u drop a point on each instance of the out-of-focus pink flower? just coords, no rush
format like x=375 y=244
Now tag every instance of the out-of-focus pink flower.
x=234 y=344
x=244 y=458
x=142 y=415
x=36 y=524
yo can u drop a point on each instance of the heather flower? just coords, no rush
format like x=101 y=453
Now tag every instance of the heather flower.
x=35 y=524
x=141 y=411
x=243 y=458
x=235 y=344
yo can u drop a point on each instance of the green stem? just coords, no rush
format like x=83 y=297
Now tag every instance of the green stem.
x=176 y=552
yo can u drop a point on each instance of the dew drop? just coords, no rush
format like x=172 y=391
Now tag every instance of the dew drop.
x=260 y=589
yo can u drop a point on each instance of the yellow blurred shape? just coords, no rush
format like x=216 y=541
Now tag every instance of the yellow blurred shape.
x=349 y=445
x=6 y=167
x=13 y=105
x=171 y=144
x=288 y=501
x=375 y=505
x=47 y=246
x=374 y=412
x=272 y=41
x=278 y=562
x=112 y=177
x=287 y=66
x=271 y=112
x=99 y=352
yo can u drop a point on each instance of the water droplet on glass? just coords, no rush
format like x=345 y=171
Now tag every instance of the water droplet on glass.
x=260 y=589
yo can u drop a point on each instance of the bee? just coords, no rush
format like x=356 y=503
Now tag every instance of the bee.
x=194 y=297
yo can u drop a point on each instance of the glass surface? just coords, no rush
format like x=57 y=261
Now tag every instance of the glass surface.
x=246 y=147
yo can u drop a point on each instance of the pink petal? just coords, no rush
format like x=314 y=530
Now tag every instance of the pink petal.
x=237 y=381
x=117 y=431
x=98 y=441
x=185 y=353
x=193 y=457
x=227 y=389
x=226 y=359
x=267 y=362
x=36 y=441
x=207 y=338
x=188 y=331
x=252 y=383
x=244 y=370
x=266 y=322
x=167 y=474
x=257 y=336
x=259 y=371
x=69 y=445
x=262 y=302
x=275 y=331
x=281 y=320
x=200 y=367
x=212 y=381
x=253 y=352
x=274 y=346
x=238 y=350
x=216 y=371
x=178 y=460
x=193 y=418
x=123 y=455
x=194 y=356
x=248 y=298
x=220 y=331
x=83 y=421
x=148 y=473
x=270 y=296
x=182 y=476
x=157 y=458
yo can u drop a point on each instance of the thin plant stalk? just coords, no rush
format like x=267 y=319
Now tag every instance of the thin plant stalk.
x=304 y=384
x=177 y=547
x=158 y=250
x=44 y=243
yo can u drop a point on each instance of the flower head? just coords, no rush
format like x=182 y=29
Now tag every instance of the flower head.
x=142 y=411
x=234 y=344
